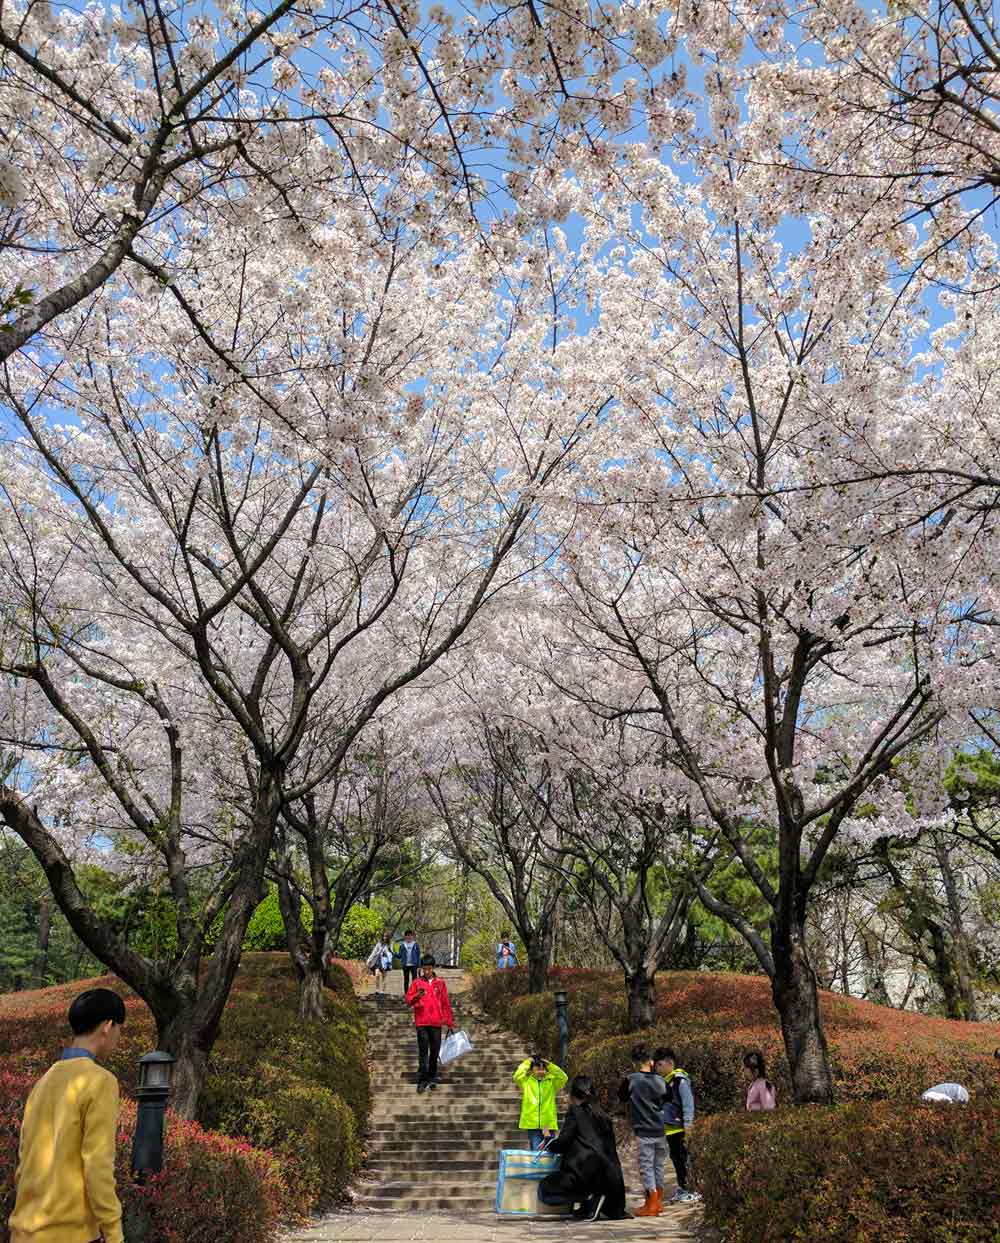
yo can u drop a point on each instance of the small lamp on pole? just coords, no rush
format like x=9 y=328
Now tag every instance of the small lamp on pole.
x=155 y=1071
x=562 y=1022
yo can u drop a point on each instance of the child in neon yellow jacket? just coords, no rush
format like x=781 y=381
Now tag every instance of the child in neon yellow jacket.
x=539 y=1082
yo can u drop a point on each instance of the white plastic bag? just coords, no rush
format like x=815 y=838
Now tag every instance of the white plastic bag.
x=454 y=1046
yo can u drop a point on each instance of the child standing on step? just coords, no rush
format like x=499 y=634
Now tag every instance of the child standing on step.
x=645 y=1092
x=678 y=1117
x=540 y=1081
x=428 y=995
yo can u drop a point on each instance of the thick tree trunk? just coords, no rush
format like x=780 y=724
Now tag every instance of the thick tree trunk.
x=641 y=987
x=188 y=995
x=796 y=998
x=311 y=996
x=945 y=972
x=178 y=1036
x=538 y=951
x=963 y=957
x=874 y=967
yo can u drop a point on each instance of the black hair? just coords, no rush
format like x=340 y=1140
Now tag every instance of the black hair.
x=427 y=960
x=754 y=1060
x=665 y=1054
x=409 y=933
x=504 y=936
x=996 y=1053
x=537 y=1060
x=386 y=936
x=641 y=1053
x=582 y=1091
x=94 y=1007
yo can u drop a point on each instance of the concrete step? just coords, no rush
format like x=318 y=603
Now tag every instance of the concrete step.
x=433 y=1130
x=457 y=1207
x=440 y=1103
x=439 y=1185
x=460 y=1162
x=447 y=1148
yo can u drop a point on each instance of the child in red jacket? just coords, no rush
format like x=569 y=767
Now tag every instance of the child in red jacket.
x=428 y=995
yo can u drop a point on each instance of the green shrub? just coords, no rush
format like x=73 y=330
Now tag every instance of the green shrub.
x=299 y=1089
x=358 y=933
x=308 y=1127
x=212 y=1189
x=870 y=1173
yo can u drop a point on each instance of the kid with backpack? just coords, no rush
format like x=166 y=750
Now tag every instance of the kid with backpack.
x=539 y=1081
x=678 y=1117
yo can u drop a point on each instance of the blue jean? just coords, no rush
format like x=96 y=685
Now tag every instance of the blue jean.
x=535 y=1139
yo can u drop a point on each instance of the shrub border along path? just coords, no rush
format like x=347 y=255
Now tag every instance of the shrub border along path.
x=353 y=1226
x=287 y=1104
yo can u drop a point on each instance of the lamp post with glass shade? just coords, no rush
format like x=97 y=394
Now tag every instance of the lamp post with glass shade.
x=155 y=1070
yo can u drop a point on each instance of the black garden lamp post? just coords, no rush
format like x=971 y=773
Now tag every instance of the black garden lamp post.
x=562 y=1022
x=155 y=1070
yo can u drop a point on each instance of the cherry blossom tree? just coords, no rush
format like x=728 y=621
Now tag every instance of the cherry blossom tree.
x=793 y=640
x=342 y=833
x=125 y=127
x=491 y=793
x=295 y=509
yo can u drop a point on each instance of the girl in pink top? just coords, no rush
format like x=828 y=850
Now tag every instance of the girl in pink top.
x=760 y=1093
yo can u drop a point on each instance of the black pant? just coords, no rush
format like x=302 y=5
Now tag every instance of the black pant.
x=409 y=975
x=679 y=1156
x=429 y=1046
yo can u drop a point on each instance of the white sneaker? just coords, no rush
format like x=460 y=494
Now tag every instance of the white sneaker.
x=685 y=1197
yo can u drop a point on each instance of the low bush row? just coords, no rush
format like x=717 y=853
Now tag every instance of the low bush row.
x=279 y=1120
x=880 y=1172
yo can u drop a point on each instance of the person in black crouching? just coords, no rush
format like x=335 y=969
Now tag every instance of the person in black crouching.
x=590 y=1174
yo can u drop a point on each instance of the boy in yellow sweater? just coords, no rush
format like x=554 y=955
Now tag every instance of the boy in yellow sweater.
x=65 y=1181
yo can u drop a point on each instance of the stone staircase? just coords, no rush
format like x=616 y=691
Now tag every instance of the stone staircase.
x=437 y=1150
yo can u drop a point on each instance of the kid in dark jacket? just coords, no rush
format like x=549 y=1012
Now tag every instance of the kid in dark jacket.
x=646 y=1093
x=428 y=995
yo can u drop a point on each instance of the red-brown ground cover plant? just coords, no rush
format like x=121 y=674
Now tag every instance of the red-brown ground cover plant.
x=712 y=1019
x=280 y=1116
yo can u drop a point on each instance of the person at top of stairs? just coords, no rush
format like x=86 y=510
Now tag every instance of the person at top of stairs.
x=409 y=957
x=379 y=961
x=428 y=996
x=539 y=1082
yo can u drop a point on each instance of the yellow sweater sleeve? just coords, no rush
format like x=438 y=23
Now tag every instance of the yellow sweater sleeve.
x=100 y=1133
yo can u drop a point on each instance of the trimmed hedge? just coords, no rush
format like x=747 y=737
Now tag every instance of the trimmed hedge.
x=711 y=1019
x=285 y=1101
x=871 y=1173
x=300 y=1090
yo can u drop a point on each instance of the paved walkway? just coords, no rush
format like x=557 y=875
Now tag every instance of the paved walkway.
x=348 y=1227
x=364 y=1224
